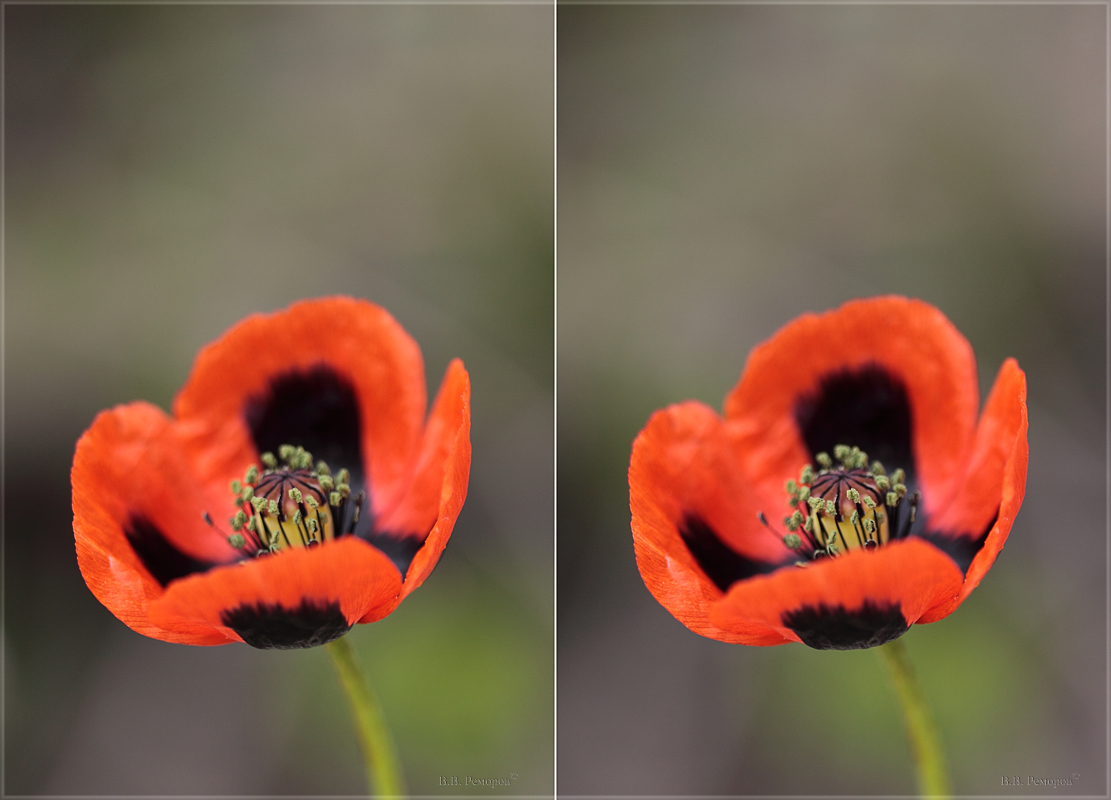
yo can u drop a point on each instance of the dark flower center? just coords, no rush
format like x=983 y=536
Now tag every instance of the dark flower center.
x=292 y=504
x=848 y=506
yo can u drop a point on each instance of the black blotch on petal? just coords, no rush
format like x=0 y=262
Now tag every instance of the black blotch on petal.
x=317 y=409
x=961 y=547
x=401 y=548
x=722 y=564
x=836 y=628
x=273 y=626
x=163 y=560
x=867 y=408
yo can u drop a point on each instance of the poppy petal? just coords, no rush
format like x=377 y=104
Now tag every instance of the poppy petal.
x=323 y=374
x=869 y=354
x=695 y=526
x=433 y=504
x=995 y=482
x=860 y=599
x=127 y=593
x=300 y=597
x=137 y=517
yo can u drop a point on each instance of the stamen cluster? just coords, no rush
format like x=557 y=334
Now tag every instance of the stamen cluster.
x=851 y=505
x=290 y=504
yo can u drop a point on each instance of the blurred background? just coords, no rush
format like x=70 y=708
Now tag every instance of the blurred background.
x=171 y=169
x=723 y=169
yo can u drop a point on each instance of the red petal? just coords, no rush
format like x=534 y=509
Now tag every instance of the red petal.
x=910 y=572
x=128 y=464
x=682 y=464
x=440 y=486
x=359 y=340
x=994 y=479
x=347 y=571
x=910 y=339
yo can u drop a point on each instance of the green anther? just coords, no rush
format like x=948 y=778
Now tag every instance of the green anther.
x=883 y=483
x=326 y=483
x=322 y=468
x=303 y=460
x=831 y=508
x=795 y=519
x=877 y=468
x=310 y=501
x=334 y=499
x=286 y=451
x=343 y=477
x=814 y=502
x=898 y=476
x=791 y=523
x=238 y=521
x=861 y=460
x=269 y=461
x=311 y=523
x=854 y=518
x=880 y=518
x=870 y=525
x=252 y=524
x=831 y=548
x=900 y=490
x=248 y=494
x=295 y=495
x=323 y=518
x=236 y=487
x=273 y=508
x=237 y=540
x=804 y=494
x=792 y=487
x=807 y=474
x=297 y=517
x=841 y=452
x=793 y=541
x=854 y=496
x=344 y=490
x=824 y=460
x=811 y=526
x=252 y=474
x=869 y=502
x=892 y=499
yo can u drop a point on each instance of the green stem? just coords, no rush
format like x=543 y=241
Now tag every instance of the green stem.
x=383 y=773
x=925 y=744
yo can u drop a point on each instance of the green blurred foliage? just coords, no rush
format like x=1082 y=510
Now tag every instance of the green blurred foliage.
x=463 y=675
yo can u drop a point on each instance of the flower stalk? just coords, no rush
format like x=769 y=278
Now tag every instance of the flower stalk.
x=379 y=754
x=925 y=743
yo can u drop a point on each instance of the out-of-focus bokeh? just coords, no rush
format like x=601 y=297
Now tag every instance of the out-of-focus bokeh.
x=723 y=169
x=171 y=169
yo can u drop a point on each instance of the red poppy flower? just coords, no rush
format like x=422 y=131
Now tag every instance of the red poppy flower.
x=848 y=493
x=191 y=530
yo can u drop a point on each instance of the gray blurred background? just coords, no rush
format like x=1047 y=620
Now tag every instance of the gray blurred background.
x=171 y=169
x=723 y=169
